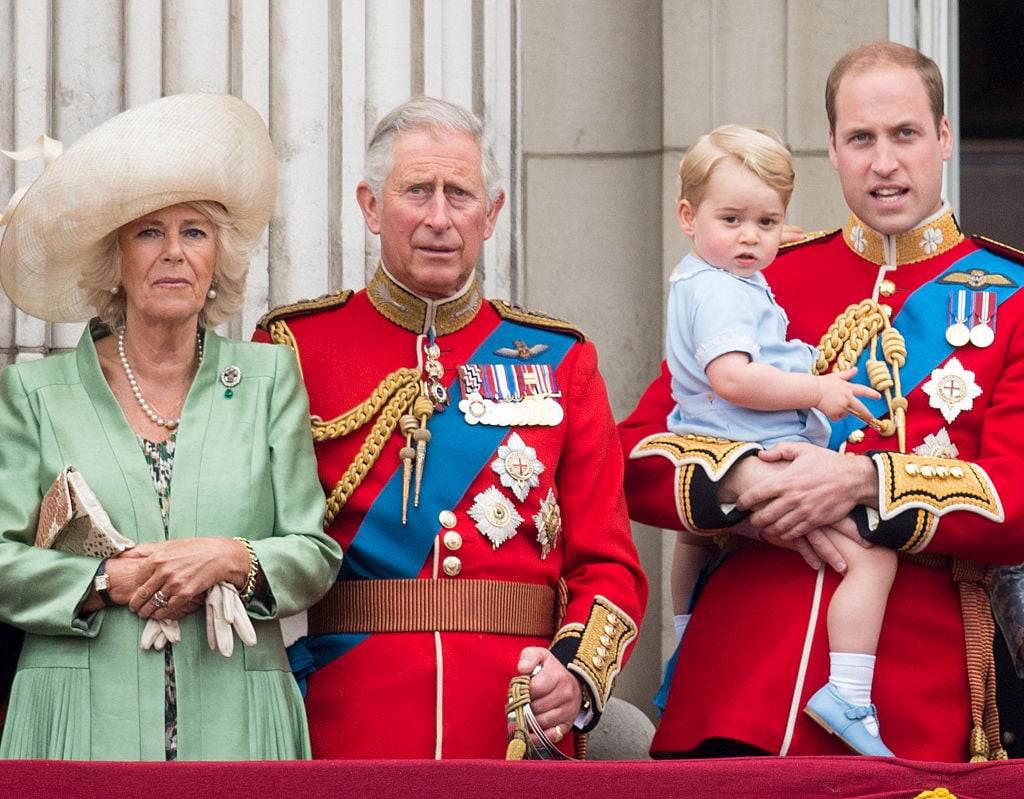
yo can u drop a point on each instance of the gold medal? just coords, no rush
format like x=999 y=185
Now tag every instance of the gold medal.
x=982 y=336
x=958 y=334
x=983 y=332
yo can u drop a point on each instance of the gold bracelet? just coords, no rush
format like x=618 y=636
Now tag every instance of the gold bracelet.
x=247 y=590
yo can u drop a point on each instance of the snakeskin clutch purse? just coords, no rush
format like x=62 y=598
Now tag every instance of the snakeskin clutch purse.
x=71 y=519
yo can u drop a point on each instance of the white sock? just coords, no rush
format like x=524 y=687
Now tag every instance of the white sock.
x=851 y=675
x=680 y=620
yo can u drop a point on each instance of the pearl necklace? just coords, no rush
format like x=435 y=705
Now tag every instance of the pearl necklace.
x=156 y=418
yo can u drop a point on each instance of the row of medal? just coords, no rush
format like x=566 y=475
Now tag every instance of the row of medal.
x=972 y=318
x=510 y=395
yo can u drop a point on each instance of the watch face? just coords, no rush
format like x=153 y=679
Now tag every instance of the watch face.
x=102 y=582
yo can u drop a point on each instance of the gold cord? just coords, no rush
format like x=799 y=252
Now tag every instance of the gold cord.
x=393 y=398
x=280 y=333
x=859 y=327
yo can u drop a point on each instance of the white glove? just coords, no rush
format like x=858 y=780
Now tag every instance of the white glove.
x=224 y=612
x=158 y=633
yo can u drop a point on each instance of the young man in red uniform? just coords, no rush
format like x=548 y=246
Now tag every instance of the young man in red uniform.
x=934 y=317
x=474 y=479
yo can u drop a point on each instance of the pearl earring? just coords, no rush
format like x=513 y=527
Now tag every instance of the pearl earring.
x=114 y=289
x=212 y=293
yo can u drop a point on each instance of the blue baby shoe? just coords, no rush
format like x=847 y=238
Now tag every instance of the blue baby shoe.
x=843 y=720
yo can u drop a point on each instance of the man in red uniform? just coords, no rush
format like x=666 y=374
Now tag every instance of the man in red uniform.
x=934 y=319
x=474 y=475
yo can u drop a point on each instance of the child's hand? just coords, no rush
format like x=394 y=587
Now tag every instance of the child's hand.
x=838 y=397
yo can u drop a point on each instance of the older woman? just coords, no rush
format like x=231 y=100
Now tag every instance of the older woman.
x=148 y=223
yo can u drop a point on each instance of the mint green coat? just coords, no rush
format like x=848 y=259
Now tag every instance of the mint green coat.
x=243 y=466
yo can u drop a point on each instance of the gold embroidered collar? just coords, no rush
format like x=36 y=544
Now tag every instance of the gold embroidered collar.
x=927 y=240
x=398 y=304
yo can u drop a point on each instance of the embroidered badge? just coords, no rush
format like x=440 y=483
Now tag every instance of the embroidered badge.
x=938 y=445
x=518 y=466
x=857 y=238
x=521 y=350
x=978 y=279
x=495 y=516
x=931 y=240
x=548 y=521
x=952 y=389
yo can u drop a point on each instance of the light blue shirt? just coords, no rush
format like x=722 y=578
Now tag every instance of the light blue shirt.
x=712 y=312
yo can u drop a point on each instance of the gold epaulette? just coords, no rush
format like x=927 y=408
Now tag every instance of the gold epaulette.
x=600 y=647
x=303 y=307
x=997 y=247
x=714 y=455
x=514 y=313
x=935 y=485
x=815 y=235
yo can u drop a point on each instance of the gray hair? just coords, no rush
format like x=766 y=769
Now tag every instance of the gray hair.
x=103 y=274
x=436 y=116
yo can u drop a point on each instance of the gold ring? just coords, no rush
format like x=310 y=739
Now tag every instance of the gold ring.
x=559 y=735
x=159 y=599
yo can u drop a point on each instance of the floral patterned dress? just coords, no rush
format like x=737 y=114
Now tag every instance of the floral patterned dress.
x=160 y=458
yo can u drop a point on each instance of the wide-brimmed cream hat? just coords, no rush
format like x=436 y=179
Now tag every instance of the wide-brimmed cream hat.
x=178 y=149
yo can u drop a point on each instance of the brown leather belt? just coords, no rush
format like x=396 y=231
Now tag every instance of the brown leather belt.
x=473 y=606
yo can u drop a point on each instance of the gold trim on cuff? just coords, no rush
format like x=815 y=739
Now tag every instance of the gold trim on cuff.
x=601 y=648
x=714 y=455
x=936 y=485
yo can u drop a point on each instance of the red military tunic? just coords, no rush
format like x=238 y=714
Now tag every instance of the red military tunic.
x=429 y=694
x=739 y=673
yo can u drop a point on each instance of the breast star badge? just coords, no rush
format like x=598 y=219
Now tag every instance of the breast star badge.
x=938 y=445
x=495 y=516
x=549 y=524
x=952 y=389
x=518 y=466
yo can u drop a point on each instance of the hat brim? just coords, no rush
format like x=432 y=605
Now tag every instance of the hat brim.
x=178 y=149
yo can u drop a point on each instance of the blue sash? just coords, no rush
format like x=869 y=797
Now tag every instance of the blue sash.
x=383 y=548
x=920 y=322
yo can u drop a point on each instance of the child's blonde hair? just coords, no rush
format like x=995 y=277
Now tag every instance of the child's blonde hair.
x=758 y=149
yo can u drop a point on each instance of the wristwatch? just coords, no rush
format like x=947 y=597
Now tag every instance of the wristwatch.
x=101 y=582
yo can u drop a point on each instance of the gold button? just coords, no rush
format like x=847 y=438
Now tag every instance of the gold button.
x=602 y=651
x=447 y=519
x=942 y=471
x=927 y=471
x=957 y=472
x=887 y=288
x=911 y=469
x=452 y=540
x=612 y=619
x=609 y=629
x=855 y=437
x=597 y=661
x=605 y=640
x=886 y=310
x=451 y=566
